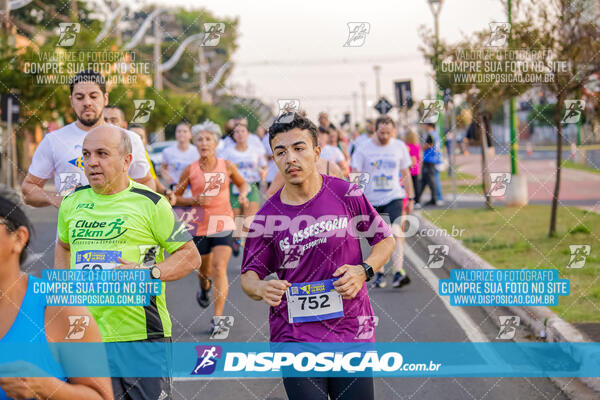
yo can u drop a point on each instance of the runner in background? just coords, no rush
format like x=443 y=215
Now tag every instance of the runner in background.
x=260 y=132
x=252 y=164
x=114 y=115
x=331 y=153
x=336 y=141
x=227 y=141
x=369 y=130
x=414 y=150
x=175 y=158
x=324 y=121
x=141 y=132
x=211 y=221
x=59 y=153
x=431 y=158
x=325 y=254
x=384 y=158
x=272 y=170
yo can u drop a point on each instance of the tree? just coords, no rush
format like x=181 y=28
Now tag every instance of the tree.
x=482 y=96
x=566 y=28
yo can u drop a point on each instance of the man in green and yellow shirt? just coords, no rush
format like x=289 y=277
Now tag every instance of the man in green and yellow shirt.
x=117 y=223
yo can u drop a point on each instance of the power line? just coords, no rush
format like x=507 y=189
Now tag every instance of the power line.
x=366 y=60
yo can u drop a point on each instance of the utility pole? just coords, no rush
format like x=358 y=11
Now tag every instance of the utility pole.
x=363 y=86
x=436 y=6
x=514 y=146
x=377 y=69
x=355 y=107
x=516 y=193
x=158 y=84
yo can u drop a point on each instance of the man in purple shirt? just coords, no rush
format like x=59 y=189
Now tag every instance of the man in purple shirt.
x=308 y=235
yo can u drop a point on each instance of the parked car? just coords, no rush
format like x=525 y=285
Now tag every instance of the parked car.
x=155 y=153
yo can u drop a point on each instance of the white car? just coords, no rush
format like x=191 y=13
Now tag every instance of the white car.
x=155 y=153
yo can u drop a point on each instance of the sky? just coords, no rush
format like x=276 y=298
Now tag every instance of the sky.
x=303 y=43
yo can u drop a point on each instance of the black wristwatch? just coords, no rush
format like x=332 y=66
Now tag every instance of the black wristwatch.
x=368 y=271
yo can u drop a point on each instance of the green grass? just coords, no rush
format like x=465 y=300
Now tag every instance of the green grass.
x=462 y=189
x=518 y=238
x=460 y=176
x=581 y=167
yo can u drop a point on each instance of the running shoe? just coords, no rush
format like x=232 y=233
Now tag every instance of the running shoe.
x=400 y=280
x=379 y=283
x=237 y=243
x=202 y=295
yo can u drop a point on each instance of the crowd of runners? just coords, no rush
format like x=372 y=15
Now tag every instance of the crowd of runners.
x=212 y=198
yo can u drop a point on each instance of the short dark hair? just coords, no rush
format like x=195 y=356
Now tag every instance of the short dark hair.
x=431 y=125
x=113 y=107
x=14 y=216
x=323 y=130
x=184 y=122
x=384 y=119
x=288 y=121
x=88 y=76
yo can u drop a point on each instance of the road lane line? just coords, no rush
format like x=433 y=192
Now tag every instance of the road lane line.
x=471 y=329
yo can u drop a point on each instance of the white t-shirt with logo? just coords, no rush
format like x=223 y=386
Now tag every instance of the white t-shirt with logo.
x=248 y=162
x=177 y=160
x=332 y=153
x=383 y=164
x=227 y=142
x=356 y=143
x=59 y=154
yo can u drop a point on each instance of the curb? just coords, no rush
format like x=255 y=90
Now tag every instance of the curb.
x=542 y=321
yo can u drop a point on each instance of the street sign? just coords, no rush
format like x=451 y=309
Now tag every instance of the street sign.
x=403 y=91
x=383 y=106
x=346 y=120
x=14 y=107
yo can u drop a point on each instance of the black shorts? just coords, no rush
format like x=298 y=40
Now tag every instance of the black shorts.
x=142 y=388
x=127 y=388
x=205 y=244
x=359 y=388
x=391 y=211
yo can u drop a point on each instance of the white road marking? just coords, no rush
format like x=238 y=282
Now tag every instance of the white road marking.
x=466 y=323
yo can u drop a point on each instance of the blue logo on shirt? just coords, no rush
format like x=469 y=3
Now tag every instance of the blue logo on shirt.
x=379 y=164
x=78 y=162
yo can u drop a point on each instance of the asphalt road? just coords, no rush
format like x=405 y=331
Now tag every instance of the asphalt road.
x=412 y=314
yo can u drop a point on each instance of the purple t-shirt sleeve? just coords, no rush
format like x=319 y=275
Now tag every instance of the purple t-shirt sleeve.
x=259 y=256
x=371 y=226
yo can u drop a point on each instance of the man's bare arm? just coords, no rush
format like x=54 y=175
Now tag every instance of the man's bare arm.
x=62 y=254
x=148 y=181
x=35 y=195
x=180 y=263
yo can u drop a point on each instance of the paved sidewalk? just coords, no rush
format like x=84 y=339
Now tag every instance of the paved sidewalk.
x=576 y=185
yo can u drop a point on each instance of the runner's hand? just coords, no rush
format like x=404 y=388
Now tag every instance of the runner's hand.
x=410 y=206
x=272 y=291
x=170 y=195
x=201 y=200
x=22 y=388
x=243 y=200
x=127 y=264
x=351 y=280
